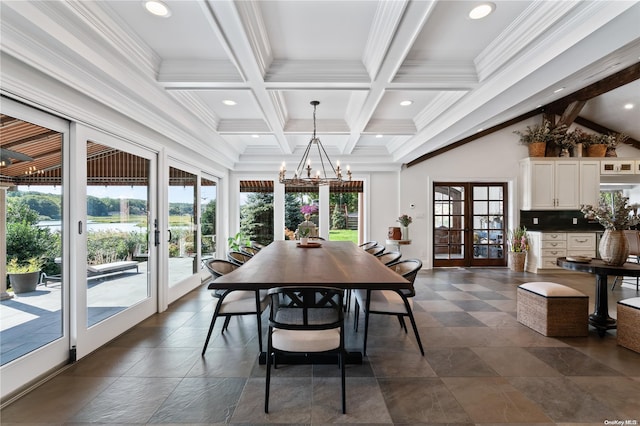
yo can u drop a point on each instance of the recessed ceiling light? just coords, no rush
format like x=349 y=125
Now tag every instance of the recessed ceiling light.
x=406 y=103
x=558 y=90
x=378 y=136
x=482 y=10
x=229 y=102
x=255 y=136
x=157 y=8
x=628 y=106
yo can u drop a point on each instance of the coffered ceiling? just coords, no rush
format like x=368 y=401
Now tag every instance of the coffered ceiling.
x=359 y=58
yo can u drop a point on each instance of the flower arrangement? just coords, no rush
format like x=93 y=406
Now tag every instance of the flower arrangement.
x=308 y=209
x=518 y=240
x=613 y=212
x=405 y=220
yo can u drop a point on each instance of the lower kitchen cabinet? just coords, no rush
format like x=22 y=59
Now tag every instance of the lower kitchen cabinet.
x=546 y=247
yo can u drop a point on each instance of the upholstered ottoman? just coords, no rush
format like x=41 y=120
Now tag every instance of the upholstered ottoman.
x=552 y=309
x=629 y=323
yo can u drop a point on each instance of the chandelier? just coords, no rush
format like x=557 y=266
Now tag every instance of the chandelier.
x=304 y=176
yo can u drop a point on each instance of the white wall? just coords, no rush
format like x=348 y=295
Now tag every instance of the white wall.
x=491 y=158
x=383 y=205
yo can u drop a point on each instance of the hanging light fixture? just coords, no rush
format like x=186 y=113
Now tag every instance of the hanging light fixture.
x=304 y=176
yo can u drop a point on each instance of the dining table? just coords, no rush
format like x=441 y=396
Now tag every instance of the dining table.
x=340 y=264
x=600 y=318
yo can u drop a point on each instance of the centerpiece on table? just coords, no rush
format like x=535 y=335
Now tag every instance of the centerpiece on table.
x=405 y=220
x=518 y=246
x=615 y=214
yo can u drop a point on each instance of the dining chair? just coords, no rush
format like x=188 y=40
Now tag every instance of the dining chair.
x=257 y=246
x=249 y=251
x=633 y=238
x=218 y=268
x=303 y=321
x=368 y=244
x=390 y=257
x=375 y=250
x=390 y=302
x=237 y=257
x=234 y=302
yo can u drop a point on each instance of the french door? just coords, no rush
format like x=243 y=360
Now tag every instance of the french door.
x=469 y=226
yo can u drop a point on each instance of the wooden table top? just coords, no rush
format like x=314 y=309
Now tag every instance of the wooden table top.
x=597 y=266
x=336 y=263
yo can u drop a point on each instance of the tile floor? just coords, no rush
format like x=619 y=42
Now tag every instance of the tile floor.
x=480 y=367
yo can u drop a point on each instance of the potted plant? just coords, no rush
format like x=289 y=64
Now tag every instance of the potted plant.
x=518 y=246
x=596 y=145
x=579 y=140
x=24 y=277
x=405 y=220
x=304 y=232
x=539 y=136
x=612 y=140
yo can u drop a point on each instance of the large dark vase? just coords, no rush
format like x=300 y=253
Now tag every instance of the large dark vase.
x=614 y=247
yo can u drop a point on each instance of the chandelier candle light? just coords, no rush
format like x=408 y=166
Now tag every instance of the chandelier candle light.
x=320 y=178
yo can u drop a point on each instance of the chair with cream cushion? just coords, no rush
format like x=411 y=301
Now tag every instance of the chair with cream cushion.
x=304 y=321
x=390 y=302
x=234 y=302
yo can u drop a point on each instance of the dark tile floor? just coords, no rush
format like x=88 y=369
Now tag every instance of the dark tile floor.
x=480 y=367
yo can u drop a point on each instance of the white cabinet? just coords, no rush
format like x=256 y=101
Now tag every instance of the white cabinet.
x=558 y=184
x=546 y=247
x=617 y=167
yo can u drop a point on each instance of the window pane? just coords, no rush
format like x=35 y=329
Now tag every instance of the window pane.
x=182 y=225
x=117 y=231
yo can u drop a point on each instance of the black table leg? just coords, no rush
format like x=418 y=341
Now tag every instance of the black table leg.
x=600 y=318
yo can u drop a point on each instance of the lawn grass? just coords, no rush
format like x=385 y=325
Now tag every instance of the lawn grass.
x=344 y=235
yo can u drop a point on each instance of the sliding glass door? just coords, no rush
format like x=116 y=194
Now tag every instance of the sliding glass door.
x=34 y=300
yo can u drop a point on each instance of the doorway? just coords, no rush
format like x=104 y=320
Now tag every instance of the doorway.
x=469 y=224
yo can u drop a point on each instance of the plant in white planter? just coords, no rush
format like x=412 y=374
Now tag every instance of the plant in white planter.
x=24 y=277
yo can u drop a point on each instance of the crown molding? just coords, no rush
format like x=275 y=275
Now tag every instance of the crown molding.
x=528 y=26
x=436 y=73
x=103 y=21
x=312 y=71
x=385 y=23
x=200 y=109
x=440 y=103
x=256 y=32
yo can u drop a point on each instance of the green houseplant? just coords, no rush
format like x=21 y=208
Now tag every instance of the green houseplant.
x=24 y=276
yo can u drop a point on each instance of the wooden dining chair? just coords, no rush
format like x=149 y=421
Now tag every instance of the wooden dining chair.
x=398 y=303
x=304 y=321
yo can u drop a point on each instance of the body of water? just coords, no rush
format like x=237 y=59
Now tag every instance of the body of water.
x=55 y=225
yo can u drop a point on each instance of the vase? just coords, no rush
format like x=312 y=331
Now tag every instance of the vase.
x=614 y=247
x=516 y=260
x=405 y=232
x=610 y=152
x=394 y=233
x=564 y=152
x=577 y=150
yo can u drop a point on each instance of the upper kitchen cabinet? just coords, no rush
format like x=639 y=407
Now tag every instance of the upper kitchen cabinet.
x=558 y=184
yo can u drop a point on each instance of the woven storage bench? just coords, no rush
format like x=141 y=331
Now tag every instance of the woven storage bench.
x=553 y=310
x=628 y=334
